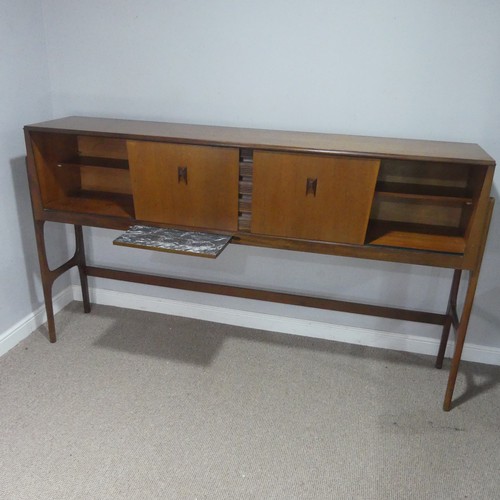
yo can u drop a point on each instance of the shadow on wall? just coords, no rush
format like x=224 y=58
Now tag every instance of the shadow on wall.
x=55 y=237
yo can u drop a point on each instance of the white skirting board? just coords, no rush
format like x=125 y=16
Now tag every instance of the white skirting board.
x=260 y=321
x=32 y=321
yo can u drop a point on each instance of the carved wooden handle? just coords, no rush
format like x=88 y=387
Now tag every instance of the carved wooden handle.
x=311 y=185
x=182 y=175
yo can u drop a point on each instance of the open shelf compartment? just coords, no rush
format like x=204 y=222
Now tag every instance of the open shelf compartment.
x=424 y=206
x=83 y=174
x=415 y=236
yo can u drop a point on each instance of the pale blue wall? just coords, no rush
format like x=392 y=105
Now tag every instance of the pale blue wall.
x=24 y=98
x=425 y=69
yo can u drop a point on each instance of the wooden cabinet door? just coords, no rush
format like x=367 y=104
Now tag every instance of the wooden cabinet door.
x=312 y=197
x=185 y=185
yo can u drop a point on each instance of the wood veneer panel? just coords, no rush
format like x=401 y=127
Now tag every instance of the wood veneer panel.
x=106 y=179
x=416 y=236
x=339 y=209
x=438 y=194
x=209 y=198
x=95 y=203
x=416 y=211
x=380 y=147
x=49 y=150
x=104 y=147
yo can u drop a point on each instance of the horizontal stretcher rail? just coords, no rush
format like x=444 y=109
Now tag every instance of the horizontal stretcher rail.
x=270 y=296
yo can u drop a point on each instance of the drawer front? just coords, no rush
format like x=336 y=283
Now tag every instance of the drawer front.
x=185 y=185
x=312 y=197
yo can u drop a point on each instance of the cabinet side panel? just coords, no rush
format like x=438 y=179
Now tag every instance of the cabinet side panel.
x=49 y=150
x=312 y=197
x=479 y=219
x=36 y=199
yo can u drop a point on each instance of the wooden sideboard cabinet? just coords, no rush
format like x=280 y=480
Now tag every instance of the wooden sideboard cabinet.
x=397 y=200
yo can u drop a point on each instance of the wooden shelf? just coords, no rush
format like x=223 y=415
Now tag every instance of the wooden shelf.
x=423 y=192
x=91 y=161
x=107 y=175
x=415 y=236
x=95 y=202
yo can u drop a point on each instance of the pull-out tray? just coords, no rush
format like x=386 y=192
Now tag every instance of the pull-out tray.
x=174 y=240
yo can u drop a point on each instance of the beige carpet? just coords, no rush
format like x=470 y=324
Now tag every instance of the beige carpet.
x=136 y=405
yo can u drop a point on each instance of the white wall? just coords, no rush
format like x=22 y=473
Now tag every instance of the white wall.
x=425 y=69
x=24 y=98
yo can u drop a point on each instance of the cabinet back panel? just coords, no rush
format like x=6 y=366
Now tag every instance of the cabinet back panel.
x=417 y=212
x=106 y=179
x=432 y=174
x=104 y=147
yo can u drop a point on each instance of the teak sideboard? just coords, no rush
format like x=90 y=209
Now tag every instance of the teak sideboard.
x=397 y=200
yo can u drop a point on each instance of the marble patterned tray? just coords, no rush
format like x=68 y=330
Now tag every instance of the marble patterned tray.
x=174 y=240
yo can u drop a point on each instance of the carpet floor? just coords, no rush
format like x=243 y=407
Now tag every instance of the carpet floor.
x=135 y=405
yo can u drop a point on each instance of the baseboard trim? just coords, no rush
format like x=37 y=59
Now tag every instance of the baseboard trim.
x=260 y=321
x=32 y=321
x=293 y=326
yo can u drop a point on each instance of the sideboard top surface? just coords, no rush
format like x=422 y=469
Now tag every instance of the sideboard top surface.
x=379 y=147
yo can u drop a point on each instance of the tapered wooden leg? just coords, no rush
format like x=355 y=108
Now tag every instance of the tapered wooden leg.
x=461 y=332
x=450 y=313
x=82 y=268
x=466 y=311
x=47 y=278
